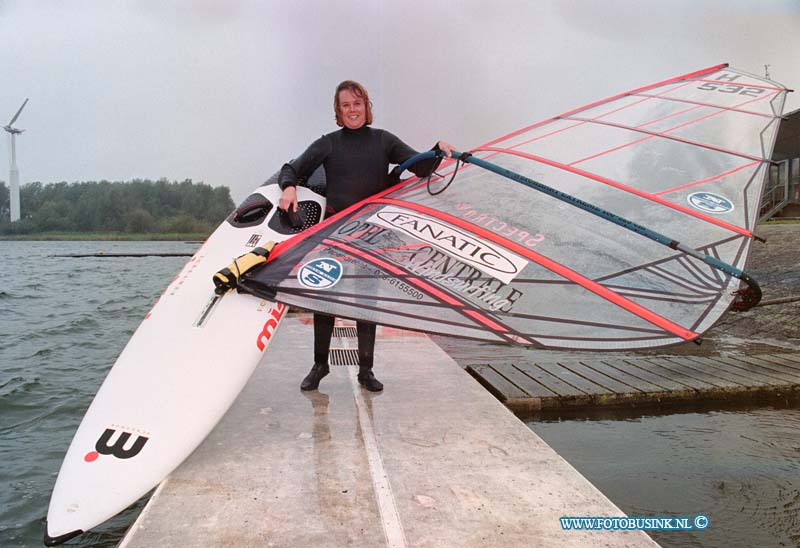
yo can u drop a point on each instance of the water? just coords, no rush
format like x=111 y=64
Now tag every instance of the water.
x=740 y=468
x=63 y=321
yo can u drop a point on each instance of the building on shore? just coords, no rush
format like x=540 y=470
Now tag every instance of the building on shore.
x=782 y=196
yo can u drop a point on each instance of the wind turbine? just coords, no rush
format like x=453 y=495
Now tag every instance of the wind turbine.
x=14 y=173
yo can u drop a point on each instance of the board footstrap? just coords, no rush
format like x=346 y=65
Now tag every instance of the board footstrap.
x=228 y=278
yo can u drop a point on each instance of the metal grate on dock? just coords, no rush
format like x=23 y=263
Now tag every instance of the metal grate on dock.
x=344 y=332
x=608 y=381
x=343 y=350
x=343 y=356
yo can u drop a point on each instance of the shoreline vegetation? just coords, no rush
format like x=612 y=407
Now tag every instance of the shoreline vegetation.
x=133 y=210
x=782 y=221
x=198 y=237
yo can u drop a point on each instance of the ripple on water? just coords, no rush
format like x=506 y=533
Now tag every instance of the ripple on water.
x=9 y=386
x=26 y=402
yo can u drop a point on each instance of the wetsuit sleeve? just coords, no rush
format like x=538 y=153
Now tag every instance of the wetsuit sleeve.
x=398 y=152
x=304 y=165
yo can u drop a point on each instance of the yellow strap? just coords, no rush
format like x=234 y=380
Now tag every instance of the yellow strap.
x=227 y=278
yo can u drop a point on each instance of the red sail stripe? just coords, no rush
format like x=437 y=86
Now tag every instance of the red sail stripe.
x=486 y=321
x=707 y=180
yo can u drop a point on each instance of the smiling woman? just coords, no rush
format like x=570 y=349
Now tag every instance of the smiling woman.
x=352 y=105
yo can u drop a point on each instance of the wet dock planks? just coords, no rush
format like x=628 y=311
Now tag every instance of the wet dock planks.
x=525 y=385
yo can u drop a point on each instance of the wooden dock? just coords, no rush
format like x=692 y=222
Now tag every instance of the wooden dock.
x=533 y=385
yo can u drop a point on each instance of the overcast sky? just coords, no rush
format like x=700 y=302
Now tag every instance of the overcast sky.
x=226 y=91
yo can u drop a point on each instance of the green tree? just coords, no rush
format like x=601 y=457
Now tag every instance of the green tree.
x=135 y=206
x=140 y=220
x=5 y=202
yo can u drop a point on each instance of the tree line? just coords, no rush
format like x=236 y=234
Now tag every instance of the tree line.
x=138 y=206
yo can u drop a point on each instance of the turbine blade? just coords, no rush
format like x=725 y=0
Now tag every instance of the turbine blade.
x=14 y=119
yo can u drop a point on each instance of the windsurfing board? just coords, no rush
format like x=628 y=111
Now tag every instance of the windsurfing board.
x=177 y=376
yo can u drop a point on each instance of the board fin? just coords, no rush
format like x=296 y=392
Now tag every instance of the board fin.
x=60 y=539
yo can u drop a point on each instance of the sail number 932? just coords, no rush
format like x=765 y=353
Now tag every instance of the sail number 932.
x=732 y=88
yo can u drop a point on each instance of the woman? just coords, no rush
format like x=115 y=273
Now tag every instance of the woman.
x=356 y=159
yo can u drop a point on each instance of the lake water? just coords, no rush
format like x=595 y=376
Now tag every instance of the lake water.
x=740 y=468
x=63 y=321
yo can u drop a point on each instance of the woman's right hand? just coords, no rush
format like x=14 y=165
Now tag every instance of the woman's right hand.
x=288 y=199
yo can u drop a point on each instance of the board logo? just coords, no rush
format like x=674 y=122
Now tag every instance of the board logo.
x=320 y=273
x=276 y=313
x=253 y=241
x=710 y=203
x=489 y=259
x=118 y=449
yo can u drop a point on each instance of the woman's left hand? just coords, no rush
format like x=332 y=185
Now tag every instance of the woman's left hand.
x=447 y=148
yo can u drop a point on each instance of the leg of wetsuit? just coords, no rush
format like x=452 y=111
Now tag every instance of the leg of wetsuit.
x=323 y=329
x=366 y=344
x=366 y=355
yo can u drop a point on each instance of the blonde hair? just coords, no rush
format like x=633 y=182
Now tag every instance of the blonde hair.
x=359 y=91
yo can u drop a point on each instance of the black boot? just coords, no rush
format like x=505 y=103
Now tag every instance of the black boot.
x=311 y=382
x=367 y=379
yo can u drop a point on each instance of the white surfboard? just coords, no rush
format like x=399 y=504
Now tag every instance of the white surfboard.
x=178 y=375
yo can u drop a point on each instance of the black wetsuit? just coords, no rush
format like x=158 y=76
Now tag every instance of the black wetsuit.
x=356 y=163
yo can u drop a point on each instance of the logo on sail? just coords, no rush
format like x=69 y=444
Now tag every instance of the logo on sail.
x=489 y=259
x=710 y=203
x=320 y=273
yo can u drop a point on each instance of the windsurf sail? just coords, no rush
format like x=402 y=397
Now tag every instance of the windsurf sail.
x=631 y=228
